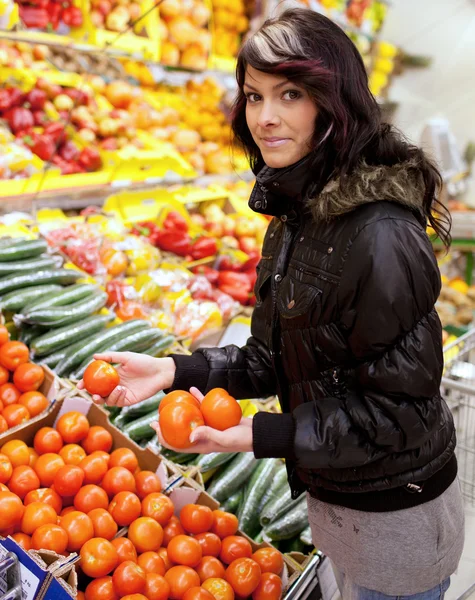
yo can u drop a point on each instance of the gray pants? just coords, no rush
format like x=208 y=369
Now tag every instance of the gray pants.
x=397 y=553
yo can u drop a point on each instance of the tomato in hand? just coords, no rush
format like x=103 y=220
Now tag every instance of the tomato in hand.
x=177 y=422
x=178 y=397
x=34 y=402
x=159 y=507
x=196 y=518
x=11 y=510
x=125 y=549
x=220 y=589
x=181 y=579
x=269 y=588
x=244 y=575
x=73 y=427
x=125 y=508
x=145 y=534
x=13 y=354
x=185 y=550
x=156 y=587
x=79 y=528
x=209 y=568
x=129 y=578
x=102 y=588
x=28 y=377
x=90 y=497
x=23 y=481
x=233 y=547
x=37 y=514
x=220 y=410
x=15 y=414
x=198 y=593
x=98 y=557
x=123 y=457
x=23 y=540
x=94 y=467
x=98 y=438
x=172 y=529
x=17 y=452
x=118 y=479
x=224 y=524
x=103 y=523
x=9 y=394
x=73 y=454
x=270 y=560
x=47 y=440
x=146 y=483
x=50 y=537
x=47 y=466
x=100 y=378
x=210 y=544
x=6 y=468
x=152 y=563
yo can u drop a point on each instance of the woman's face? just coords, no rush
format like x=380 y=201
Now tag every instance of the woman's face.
x=281 y=117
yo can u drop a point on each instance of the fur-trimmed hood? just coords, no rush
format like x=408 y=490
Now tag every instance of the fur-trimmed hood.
x=277 y=190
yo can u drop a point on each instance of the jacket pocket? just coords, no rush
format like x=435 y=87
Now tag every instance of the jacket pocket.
x=296 y=298
x=262 y=286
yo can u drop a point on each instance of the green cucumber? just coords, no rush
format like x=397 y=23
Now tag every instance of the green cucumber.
x=29 y=264
x=290 y=524
x=208 y=462
x=179 y=458
x=259 y=538
x=60 y=338
x=296 y=545
x=306 y=536
x=135 y=342
x=233 y=503
x=16 y=282
x=142 y=408
x=279 y=481
x=68 y=295
x=59 y=316
x=233 y=476
x=140 y=428
x=288 y=504
x=28 y=333
x=259 y=482
x=161 y=346
x=18 y=299
x=110 y=335
x=52 y=359
x=19 y=249
x=281 y=500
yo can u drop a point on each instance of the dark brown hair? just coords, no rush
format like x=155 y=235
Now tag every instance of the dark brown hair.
x=309 y=49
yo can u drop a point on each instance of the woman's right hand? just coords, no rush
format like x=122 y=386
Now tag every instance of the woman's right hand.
x=141 y=376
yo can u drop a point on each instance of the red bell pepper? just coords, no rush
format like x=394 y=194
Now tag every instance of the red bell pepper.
x=19 y=119
x=109 y=143
x=251 y=264
x=175 y=221
x=90 y=159
x=177 y=242
x=5 y=102
x=54 y=13
x=39 y=117
x=203 y=247
x=144 y=228
x=43 y=146
x=208 y=272
x=72 y=16
x=17 y=97
x=226 y=262
x=240 y=281
x=241 y=295
x=56 y=131
x=69 y=151
x=34 y=17
x=40 y=3
x=36 y=99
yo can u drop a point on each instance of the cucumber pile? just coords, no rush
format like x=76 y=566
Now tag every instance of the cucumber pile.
x=135 y=420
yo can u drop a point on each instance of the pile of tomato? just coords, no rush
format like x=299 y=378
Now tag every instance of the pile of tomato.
x=70 y=492
x=19 y=384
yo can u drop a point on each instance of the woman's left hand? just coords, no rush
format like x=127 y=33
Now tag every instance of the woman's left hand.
x=205 y=440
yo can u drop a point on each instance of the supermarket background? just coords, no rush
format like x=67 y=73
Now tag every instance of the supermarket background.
x=128 y=211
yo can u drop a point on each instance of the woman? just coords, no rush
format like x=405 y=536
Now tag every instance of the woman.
x=344 y=330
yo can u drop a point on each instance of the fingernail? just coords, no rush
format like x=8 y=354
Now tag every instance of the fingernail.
x=154 y=424
x=193 y=438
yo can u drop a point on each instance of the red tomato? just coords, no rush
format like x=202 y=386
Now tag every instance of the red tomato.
x=100 y=378
x=156 y=587
x=6 y=468
x=181 y=579
x=103 y=523
x=102 y=588
x=68 y=480
x=90 y=497
x=172 y=529
x=50 y=537
x=123 y=457
x=196 y=518
x=220 y=410
x=177 y=422
x=129 y=578
x=33 y=457
x=79 y=528
x=125 y=549
x=22 y=540
x=210 y=544
x=47 y=466
x=28 y=377
x=234 y=547
x=34 y=402
x=244 y=575
x=209 y=568
x=47 y=440
x=94 y=467
x=37 y=514
x=178 y=397
x=118 y=479
x=198 y=593
x=9 y=394
x=23 y=481
x=98 y=557
x=269 y=588
x=224 y=524
x=220 y=589
x=73 y=427
x=18 y=453
x=159 y=507
x=4 y=335
x=125 y=508
x=72 y=454
x=145 y=534
x=46 y=496
x=4 y=374
x=3 y=425
x=15 y=414
x=270 y=560
x=11 y=510
x=13 y=354
x=98 y=438
x=185 y=550
x=152 y=563
x=147 y=482
x=163 y=554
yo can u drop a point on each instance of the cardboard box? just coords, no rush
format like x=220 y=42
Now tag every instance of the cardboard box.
x=43 y=574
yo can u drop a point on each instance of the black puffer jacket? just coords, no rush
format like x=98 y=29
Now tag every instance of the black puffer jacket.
x=346 y=333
